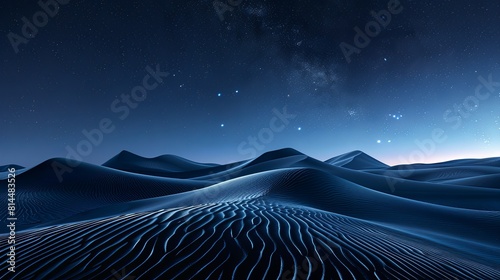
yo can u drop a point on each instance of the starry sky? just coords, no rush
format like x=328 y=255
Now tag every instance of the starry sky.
x=223 y=81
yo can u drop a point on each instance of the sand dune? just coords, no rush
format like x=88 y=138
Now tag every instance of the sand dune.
x=42 y=198
x=283 y=215
x=357 y=160
x=4 y=170
x=166 y=165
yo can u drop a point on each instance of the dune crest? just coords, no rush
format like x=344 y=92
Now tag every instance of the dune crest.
x=282 y=215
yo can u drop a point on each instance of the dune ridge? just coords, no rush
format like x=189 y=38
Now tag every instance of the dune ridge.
x=282 y=215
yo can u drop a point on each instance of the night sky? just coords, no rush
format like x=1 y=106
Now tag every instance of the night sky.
x=230 y=85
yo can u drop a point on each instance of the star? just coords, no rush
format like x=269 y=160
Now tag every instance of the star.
x=299 y=128
x=378 y=141
x=397 y=117
x=219 y=94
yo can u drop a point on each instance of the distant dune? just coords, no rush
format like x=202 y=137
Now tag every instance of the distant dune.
x=282 y=215
x=356 y=160
x=4 y=170
x=166 y=165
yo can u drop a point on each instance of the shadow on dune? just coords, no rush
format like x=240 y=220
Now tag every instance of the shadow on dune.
x=279 y=216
